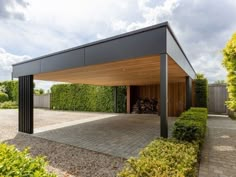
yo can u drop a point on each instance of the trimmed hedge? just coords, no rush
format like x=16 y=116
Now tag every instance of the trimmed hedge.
x=16 y=163
x=163 y=157
x=201 y=92
x=78 y=97
x=191 y=125
x=172 y=157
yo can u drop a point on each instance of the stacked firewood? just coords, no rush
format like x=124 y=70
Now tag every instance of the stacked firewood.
x=145 y=106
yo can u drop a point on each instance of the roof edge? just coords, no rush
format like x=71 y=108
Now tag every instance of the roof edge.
x=160 y=25
x=176 y=40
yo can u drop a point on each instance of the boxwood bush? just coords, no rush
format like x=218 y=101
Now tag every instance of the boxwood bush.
x=172 y=157
x=14 y=163
x=191 y=125
x=163 y=157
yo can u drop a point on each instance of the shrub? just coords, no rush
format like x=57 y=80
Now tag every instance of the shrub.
x=16 y=163
x=191 y=125
x=199 y=109
x=8 y=105
x=3 y=97
x=163 y=157
x=201 y=92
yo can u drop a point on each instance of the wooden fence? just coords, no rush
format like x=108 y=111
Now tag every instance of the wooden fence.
x=42 y=101
x=217 y=95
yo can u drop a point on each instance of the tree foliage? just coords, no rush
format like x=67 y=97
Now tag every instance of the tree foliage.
x=229 y=62
x=11 y=89
x=38 y=91
x=201 y=91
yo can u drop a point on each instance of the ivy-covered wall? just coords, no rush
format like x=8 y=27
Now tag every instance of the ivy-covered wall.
x=201 y=92
x=80 y=97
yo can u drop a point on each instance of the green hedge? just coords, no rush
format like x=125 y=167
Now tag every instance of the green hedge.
x=172 y=157
x=11 y=89
x=163 y=157
x=19 y=164
x=191 y=125
x=201 y=92
x=86 y=98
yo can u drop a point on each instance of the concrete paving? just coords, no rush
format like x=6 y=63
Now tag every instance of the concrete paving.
x=120 y=135
x=218 y=157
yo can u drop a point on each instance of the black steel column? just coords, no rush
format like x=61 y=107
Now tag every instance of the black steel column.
x=164 y=95
x=115 y=98
x=188 y=82
x=26 y=104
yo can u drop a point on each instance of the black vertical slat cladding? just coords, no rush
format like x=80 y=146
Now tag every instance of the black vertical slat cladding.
x=188 y=82
x=164 y=95
x=26 y=104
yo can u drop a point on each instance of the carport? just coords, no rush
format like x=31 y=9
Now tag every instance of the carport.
x=147 y=56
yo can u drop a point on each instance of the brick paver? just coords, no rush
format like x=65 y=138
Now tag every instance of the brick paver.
x=218 y=157
x=122 y=135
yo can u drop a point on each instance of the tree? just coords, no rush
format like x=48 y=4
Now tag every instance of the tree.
x=199 y=76
x=38 y=91
x=229 y=62
x=201 y=90
x=2 y=89
x=219 y=82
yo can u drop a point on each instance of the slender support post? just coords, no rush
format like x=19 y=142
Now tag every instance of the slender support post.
x=26 y=104
x=128 y=99
x=164 y=95
x=115 y=98
x=188 y=82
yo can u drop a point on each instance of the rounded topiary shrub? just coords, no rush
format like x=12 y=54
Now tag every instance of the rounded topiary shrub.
x=3 y=97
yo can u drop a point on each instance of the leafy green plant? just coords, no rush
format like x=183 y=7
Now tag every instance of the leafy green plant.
x=8 y=105
x=3 y=97
x=163 y=157
x=14 y=163
x=201 y=91
x=229 y=62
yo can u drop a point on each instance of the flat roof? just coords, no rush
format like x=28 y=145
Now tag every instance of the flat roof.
x=145 y=42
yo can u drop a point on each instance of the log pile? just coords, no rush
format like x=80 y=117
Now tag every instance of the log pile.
x=145 y=106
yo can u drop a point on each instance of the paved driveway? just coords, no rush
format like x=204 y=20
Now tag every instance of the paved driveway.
x=219 y=150
x=73 y=141
x=120 y=135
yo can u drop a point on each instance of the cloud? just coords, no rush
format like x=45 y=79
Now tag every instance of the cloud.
x=7 y=59
x=202 y=27
x=12 y=9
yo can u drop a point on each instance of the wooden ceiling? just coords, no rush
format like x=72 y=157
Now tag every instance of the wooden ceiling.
x=139 y=71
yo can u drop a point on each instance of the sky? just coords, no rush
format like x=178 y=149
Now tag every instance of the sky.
x=31 y=28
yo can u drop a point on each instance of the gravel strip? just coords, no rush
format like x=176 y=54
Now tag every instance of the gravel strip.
x=64 y=160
